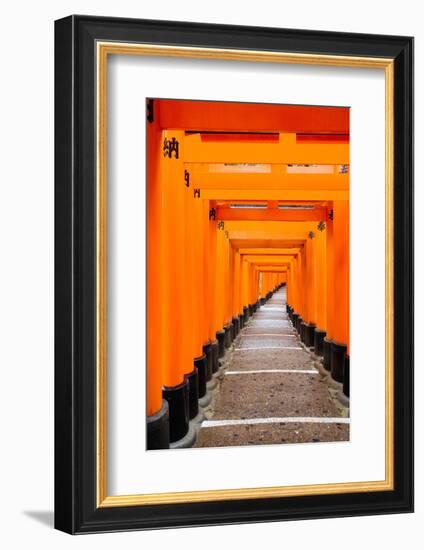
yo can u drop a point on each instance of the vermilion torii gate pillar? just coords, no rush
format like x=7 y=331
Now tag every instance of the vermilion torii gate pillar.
x=179 y=374
x=330 y=298
x=157 y=354
x=321 y=287
x=340 y=344
x=310 y=290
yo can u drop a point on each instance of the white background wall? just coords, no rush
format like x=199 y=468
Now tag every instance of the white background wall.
x=26 y=271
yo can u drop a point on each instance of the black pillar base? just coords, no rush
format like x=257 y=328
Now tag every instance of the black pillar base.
x=294 y=319
x=241 y=321
x=207 y=350
x=302 y=331
x=346 y=377
x=227 y=336
x=319 y=336
x=220 y=335
x=215 y=356
x=235 y=327
x=201 y=364
x=193 y=393
x=326 y=351
x=338 y=353
x=309 y=332
x=299 y=325
x=245 y=314
x=158 y=428
x=178 y=402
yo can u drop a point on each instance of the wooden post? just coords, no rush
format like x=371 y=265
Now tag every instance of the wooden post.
x=157 y=354
x=175 y=313
x=321 y=288
x=340 y=344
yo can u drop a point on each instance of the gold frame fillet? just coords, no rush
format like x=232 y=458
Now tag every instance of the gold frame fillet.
x=103 y=50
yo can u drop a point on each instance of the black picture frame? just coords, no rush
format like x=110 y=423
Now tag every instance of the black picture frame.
x=76 y=510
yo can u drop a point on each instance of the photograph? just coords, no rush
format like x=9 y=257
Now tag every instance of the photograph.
x=248 y=253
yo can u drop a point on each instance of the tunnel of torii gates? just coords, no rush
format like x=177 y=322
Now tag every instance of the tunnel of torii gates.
x=242 y=199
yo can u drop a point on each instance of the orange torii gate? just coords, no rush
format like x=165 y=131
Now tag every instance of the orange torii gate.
x=206 y=247
x=264 y=261
x=247 y=230
x=271 y=278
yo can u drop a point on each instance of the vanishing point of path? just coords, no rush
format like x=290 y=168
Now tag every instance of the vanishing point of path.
x=270 y=390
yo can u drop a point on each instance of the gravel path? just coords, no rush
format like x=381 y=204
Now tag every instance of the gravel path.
x=269 y=375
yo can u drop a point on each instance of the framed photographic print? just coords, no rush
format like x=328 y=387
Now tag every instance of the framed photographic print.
x=234 y=274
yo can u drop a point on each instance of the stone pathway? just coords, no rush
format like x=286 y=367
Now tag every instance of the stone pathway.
x=270 y=390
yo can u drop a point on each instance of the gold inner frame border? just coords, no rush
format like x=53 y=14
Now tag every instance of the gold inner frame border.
x=103 y=50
